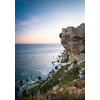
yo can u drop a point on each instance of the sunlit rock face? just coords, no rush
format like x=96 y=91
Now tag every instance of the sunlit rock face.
x=74 y=43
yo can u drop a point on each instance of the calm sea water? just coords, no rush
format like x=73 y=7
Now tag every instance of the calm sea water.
x=35 y=60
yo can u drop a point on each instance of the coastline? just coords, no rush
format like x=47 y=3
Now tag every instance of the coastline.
x=52 y=75
x=55 y=63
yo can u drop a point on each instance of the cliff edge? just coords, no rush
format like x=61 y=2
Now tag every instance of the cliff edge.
x=74 y=43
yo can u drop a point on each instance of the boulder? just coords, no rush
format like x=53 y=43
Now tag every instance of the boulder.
x=16 y=88
x=31 y=82
x=31 y=76
x=55 y=88
x=24 y=87
x=80 y=59
x=59 y=56
x=71 y=66
x=56 y=67
x=57 y=60
x=21 y=81
x=64 y=59
x=26 y=80
x=43 y=80
x=52 y=72
x=21 y=84
x=39 y=77
x=82 y=73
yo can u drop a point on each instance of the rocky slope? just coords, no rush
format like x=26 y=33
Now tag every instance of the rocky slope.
x=74 y=43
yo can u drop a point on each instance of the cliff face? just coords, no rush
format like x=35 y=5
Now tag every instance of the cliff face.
x=74 y=43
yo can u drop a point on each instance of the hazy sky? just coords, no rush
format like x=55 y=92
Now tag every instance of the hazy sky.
x=41 y=21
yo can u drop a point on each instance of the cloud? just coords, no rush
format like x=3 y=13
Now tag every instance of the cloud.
x=33 y=19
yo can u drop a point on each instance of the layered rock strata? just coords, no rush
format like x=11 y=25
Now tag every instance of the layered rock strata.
x=74 y=43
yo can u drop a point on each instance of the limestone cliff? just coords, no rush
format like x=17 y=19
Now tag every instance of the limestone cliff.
x=74 y=43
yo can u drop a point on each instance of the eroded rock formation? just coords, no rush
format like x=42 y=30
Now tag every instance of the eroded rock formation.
x=74 y=43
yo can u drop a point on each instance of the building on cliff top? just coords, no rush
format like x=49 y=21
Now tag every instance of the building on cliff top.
x=72 y=31
x=64 y=30
x=67 y=31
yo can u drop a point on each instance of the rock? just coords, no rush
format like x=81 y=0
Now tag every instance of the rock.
x=56 y=67
x=52 y=72
x=64 y=52
x=31 y=76
x=57 y=60
x=64 y=59
x=43 y=84
x=65 y=71
x=80 y=59
x=39 y=77
x=43 y=80
x=82 y=73
x=60 y=80
x=16 y=88
x=71 y=66
x=59 y=56
x=33 y=86
x=50 y=76
x=21 y=81
x=26 y=80
x=24 y=87
x=74 y=43
x=21 y=84
x=55 y=88
x=31 y=82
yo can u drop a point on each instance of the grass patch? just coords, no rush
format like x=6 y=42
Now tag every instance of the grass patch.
x=53 y=81
x=64 y=82
x=72 y=74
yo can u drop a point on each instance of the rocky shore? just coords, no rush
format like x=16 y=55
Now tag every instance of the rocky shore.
x=68 y=81
x=23 y=89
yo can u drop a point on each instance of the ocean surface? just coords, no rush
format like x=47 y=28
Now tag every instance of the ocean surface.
x=35 y=60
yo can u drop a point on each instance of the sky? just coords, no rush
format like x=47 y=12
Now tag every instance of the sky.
x=41 y=21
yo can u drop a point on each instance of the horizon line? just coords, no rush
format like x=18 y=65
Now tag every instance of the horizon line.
x=37 y=43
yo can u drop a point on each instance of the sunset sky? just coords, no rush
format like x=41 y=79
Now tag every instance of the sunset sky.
x=41 y=21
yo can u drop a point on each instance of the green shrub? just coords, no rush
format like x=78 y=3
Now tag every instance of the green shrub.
x=60 y=35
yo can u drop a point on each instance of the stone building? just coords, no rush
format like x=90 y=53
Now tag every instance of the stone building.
x=64 y=30
x=69 y=29
x=72 y=31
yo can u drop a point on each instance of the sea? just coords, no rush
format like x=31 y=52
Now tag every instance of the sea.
x=34 y=60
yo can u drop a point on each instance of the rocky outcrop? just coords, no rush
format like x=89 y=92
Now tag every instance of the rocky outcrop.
x=74 y=43
x=26 y=88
